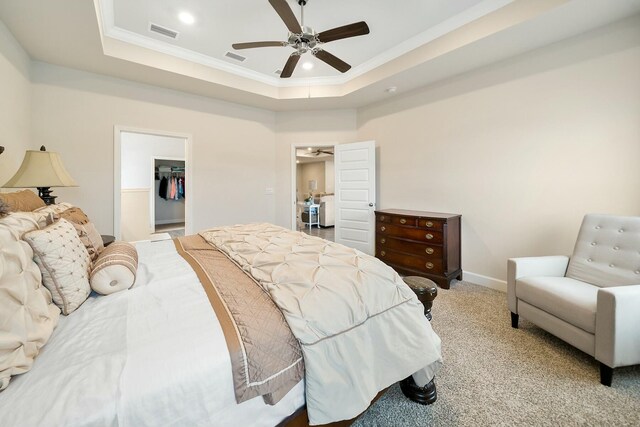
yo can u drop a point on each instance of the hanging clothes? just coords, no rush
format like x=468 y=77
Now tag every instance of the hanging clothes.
x=175 y=188
x=172 y=189
x=181 y=187
x=164 y=183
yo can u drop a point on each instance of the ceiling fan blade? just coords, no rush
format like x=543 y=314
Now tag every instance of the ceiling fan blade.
x=251 y=45
x=352 y=30
x=286 y=14
x=290 y=66
x=332 y=60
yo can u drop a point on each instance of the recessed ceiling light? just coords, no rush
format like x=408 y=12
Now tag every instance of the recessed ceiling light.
x=309 y=149
x=307 y=65
x=297 y=161
x=186 y=18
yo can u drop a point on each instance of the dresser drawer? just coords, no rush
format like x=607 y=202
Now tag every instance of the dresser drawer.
x=403 y=220
x=392 y=257
x=384 y=218
x=430 y=236
x=431 y=224
x=428 y=251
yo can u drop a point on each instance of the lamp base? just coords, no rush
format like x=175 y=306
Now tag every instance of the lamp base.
x=45 y=195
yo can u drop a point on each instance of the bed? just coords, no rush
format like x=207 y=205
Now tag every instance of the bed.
x=157 y=354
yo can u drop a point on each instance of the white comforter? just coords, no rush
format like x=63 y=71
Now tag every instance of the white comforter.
x=154 y=355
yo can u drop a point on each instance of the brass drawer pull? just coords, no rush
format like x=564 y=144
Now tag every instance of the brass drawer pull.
x=382 y=218
x=383 y=228
x=428 y=224
x=428 y=236
x=383 y=241
x=428 y=250
x=382 y=253
x=429 y=265
x=403 y=221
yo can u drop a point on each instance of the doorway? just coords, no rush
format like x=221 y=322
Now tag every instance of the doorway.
x=168 y=202
x=313 y=181
x=140 y=210
x=349 y=218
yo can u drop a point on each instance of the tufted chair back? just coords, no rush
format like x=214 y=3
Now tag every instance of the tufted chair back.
x=607 y=252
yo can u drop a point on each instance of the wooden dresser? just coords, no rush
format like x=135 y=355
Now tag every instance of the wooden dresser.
x=420 y=243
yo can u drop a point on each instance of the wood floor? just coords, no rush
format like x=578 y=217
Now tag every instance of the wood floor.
x=327 y=233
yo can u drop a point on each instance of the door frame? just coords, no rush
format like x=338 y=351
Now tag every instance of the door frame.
x=294 y=174
x=117 y=153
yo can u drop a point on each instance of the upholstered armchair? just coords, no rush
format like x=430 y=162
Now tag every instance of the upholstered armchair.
x=591 y=300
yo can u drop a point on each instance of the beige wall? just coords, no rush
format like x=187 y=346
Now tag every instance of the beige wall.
x=305 y=127
x=14 y=104
x=312 y=171
x=233 y=149
x=522 y=149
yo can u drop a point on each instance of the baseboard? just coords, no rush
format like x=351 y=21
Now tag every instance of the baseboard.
x=487 y=282
x=169 y=221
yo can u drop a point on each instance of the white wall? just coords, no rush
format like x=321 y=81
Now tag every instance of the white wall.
x=137 y=152
x=329 y=177
x=234 y=149
x=305 y=127
x=522 y=149
x=15 y=104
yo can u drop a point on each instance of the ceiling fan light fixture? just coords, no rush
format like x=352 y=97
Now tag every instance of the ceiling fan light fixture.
x=307 y=65
x=186 y=18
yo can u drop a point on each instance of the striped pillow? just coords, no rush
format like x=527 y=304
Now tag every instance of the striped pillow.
x=115 y=268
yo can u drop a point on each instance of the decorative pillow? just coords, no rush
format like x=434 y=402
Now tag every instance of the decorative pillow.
x=87 y=231
x=27 y=315
x=64 y=263
x=22 y=201
x=4 y=209
x=115 y=269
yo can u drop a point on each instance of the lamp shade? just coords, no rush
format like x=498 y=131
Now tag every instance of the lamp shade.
x=41 y=169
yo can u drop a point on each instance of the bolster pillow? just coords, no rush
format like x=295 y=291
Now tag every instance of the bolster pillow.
x=115 y=268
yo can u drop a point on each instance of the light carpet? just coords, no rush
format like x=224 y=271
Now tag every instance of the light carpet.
x=496 y=375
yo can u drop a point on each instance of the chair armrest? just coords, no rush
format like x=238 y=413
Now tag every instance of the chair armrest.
x=617 y=331
x=551 y=266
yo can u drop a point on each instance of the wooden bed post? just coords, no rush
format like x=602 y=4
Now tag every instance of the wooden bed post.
x=427 y=291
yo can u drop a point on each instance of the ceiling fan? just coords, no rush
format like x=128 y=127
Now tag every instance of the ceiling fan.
x=319 y=151
x=304 y=39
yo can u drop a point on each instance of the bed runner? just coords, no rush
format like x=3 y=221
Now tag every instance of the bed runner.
x=360 y=326
x=266 y=358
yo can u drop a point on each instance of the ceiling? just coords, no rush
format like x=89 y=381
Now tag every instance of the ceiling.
x=314 y=154
x=418 y=44
x=220 y=23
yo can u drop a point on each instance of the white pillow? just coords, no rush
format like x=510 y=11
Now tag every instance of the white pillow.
x=27 y=315
x=64 y=263
x=115 y=269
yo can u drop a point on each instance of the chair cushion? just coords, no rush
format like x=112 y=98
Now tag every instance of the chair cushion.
x=568 y=299
x=607 y=252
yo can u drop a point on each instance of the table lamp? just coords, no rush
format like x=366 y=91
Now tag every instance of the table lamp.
x=42 y=170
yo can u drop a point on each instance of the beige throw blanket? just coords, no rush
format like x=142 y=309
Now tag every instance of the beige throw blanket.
x=266 y=359
x=360 y=326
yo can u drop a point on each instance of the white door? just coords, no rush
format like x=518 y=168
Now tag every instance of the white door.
x=355 y=187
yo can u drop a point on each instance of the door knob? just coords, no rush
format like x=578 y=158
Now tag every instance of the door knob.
x=371 y=204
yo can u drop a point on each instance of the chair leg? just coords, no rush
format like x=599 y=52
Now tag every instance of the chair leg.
x=514 y=320
x=606 y=375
